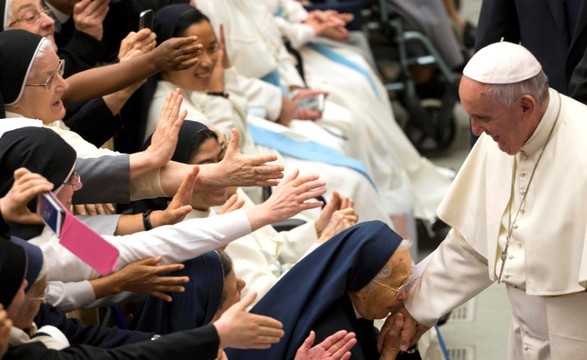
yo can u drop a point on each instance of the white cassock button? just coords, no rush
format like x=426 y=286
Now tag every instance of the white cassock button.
x=523 y=174
x=526 y=348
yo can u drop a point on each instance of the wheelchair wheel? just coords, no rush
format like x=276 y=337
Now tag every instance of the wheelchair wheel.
x=439 y=132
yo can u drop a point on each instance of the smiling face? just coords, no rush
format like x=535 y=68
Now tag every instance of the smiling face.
x=197 y=78
x=376 y=300
x=40 y=102
x=31 y=16
x=509 y=127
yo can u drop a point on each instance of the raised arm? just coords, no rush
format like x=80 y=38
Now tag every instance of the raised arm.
x=235 y=169
x=164 y=139
x=173 y=54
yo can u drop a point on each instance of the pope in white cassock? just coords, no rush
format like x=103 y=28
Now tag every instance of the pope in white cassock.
x=517 y=210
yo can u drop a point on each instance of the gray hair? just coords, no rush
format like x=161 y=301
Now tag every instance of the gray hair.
x=507 y=94
x=387 y=268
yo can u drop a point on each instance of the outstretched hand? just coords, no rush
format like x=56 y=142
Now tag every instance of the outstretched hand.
x=293 y=195
x=148 y=277
x=180 y=205
x=233 y=203
x=164 y=139
x=27 y=185
x=237 y=169
x=177 y=53
x=240 y=329
x=335 y=347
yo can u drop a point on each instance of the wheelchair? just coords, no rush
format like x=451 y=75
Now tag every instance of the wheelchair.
x=431 y=125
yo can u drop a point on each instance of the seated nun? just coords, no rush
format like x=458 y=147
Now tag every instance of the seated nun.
x=346 y=283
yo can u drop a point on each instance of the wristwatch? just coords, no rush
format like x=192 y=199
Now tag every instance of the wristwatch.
x=147 y=220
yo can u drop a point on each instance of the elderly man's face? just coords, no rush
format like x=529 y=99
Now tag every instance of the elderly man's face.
x=377 y=300
x=29 y=15
x=43 y=102
x=508 y=127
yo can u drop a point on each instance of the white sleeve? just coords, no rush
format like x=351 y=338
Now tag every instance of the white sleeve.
x=262 y=94
x=182 y=241
x=257 y=268
x=298 y=34
x=296 y=242
x=102 y=224
x=454 y=274
x=71 y=295
x=175 y=243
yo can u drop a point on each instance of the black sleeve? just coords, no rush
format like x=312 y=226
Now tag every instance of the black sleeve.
x=497 y=19
x=201 y=343
x=78 y=334
x=576 y=70
x=82 y=52
x=93 y=121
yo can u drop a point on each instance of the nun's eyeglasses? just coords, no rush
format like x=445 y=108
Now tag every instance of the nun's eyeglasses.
x=397 y=290
x=32 y=17
x=51 y=80
x=42 y=299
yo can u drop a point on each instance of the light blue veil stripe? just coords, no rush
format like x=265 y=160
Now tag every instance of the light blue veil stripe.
x=332 y=55
x=273 y=78
x=306 y=150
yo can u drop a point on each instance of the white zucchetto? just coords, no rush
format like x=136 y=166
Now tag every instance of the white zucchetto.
x=502 y=63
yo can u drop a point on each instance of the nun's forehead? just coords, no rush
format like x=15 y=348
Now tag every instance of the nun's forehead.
x=14 y=7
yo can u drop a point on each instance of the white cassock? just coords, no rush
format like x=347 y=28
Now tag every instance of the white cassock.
x=224 y=114
x=401 y=174
x=546 y=265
